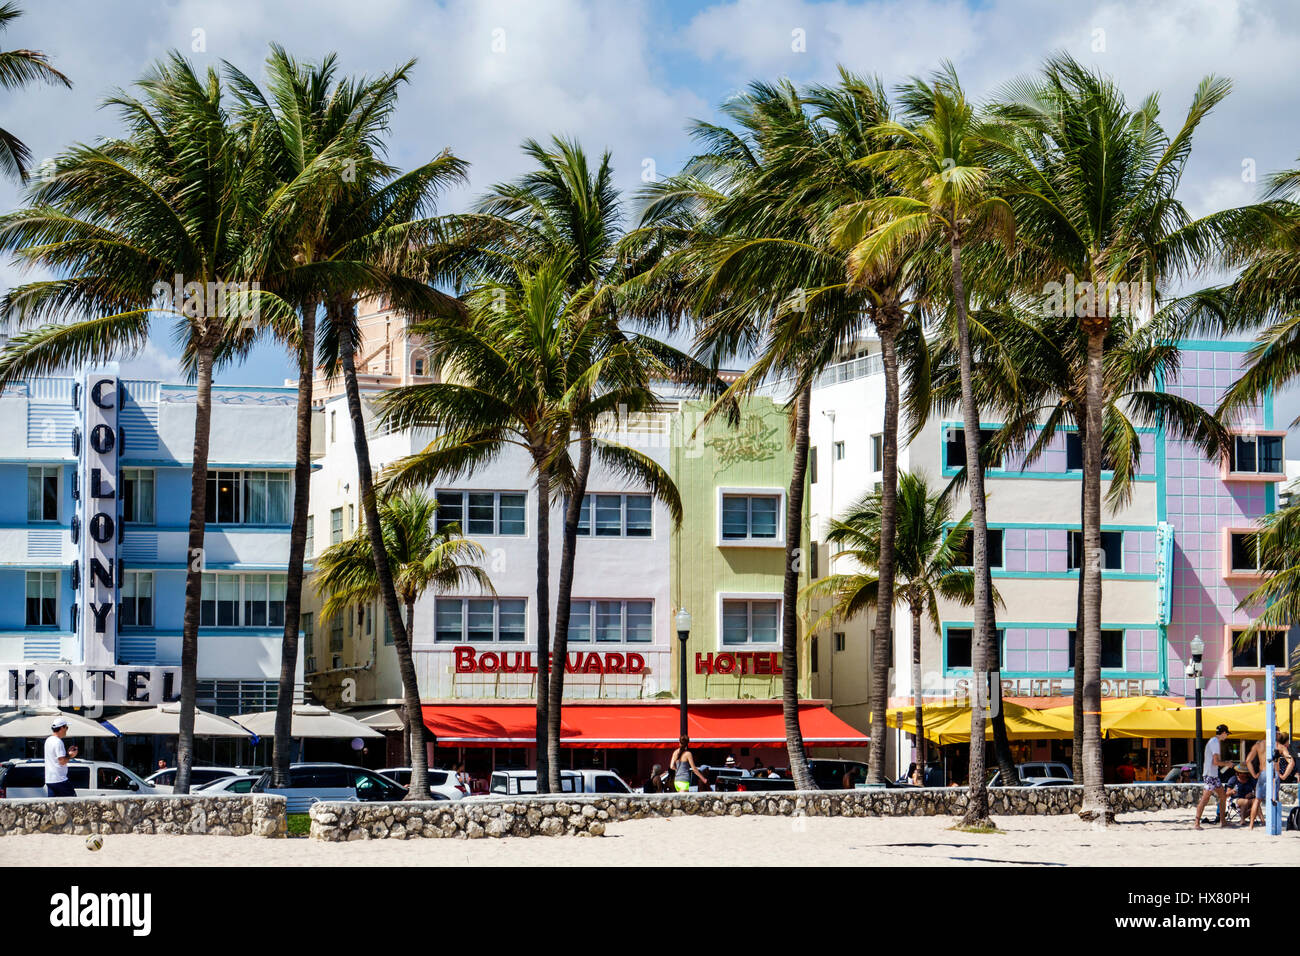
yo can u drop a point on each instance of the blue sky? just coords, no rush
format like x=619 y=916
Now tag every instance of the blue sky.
x=628 y=76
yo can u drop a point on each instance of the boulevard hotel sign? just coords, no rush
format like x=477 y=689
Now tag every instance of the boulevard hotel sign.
x=96 y=576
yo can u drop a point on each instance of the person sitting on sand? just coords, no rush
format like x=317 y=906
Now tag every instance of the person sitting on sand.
x=1213 y=785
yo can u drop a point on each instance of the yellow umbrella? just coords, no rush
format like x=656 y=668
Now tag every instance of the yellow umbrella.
x=1243 y=720
x=950 y=723
x=1112 y=709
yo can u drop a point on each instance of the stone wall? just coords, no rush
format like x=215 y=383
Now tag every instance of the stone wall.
x=588 y=815
x=234 y=815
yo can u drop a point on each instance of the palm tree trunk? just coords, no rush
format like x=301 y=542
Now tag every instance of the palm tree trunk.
x=406 y=733
x=1095 y=805
x=1001 y=742
x=790 y=592
x=977 y=803
x=916 y=686
x=194 y=569
x=888 y=319
x=343 y=316
x=563 y=603
x=543 y=620
x=297 y=549
x=1076 y=757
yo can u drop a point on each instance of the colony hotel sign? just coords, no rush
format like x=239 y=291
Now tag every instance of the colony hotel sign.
x=97 y=595
x=98 y=679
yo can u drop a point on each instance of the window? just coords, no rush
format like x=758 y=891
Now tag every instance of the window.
x=1112 y=650
x=750 y=517
x=138 y=495
x=42 y=598
x=419 y=366
x=1074 y=454
x=136 y=608
x=813 y=651
x=388 y=632
x=611 y=622
x=966 y=549
x=1112 y=550
x=309 y=634
x=955 y=447
x=1257 y=454
x=812 y=561
x=877 y=452
x=1244 y=547
x=615 y=516
x=839 y=451
x=352 y=518
x=1267 y=647
x=483 y=512
x=248 y=497
x=334 y=427
x=310 y=547
x=336 y=525
x=839 y=640
x=336 y=634
x=242 y=600
x=43 y=493
x=750 y=622
x=960 y=649
x=479 y=619
x=812 y=465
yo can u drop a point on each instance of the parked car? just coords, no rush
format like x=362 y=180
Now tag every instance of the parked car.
x=440 y=781
x=511 y=782
x=310 y=782
x=90 y=778
x=715 y=774
x=754 y=783
x=164 y=780
x=1033 y=773
x=1182 y=773
x=829 y=774
x=602 y=781
x=239 y=784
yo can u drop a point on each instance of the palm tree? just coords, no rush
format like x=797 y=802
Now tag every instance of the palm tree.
x=763 y=271
x=316 y=131
x=1031 y=369
x=421 y=555
x=564 y=208
x=927 y=562
x=946 y=192
x=20 y=68
x=178 y=195
x=531 y=366
x=1094 y=191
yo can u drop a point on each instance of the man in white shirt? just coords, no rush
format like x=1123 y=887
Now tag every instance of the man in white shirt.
x=1213 y=785
x=56 y=761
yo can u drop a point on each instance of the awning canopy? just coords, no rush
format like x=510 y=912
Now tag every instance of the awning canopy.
x=638 y=725
x=28 y=721
x=309 y=720
x=165 y=720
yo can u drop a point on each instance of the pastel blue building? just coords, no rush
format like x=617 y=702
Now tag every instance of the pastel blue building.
x=95 y=493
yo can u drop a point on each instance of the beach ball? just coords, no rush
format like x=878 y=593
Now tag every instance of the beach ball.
x=357 y=743
x=94 y=842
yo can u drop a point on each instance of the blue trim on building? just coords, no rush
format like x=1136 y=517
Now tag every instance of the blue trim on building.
x=1003 y=627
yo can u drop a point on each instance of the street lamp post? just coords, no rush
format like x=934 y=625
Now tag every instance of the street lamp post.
x=683 y=634
x=1198 y=649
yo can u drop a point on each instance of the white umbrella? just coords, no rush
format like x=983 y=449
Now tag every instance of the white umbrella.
x=309 y=720
x=166 y=719
x=35 y=722
x=386 y=719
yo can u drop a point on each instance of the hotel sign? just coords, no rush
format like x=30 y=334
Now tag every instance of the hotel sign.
x=1063 y=687
x=74 y=685
x=471 y=661
x=98 y=521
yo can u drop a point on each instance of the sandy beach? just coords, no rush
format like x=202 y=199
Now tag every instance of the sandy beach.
x=1152 y=839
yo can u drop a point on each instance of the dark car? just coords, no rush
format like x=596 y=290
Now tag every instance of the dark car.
x=829 y=774
x=309 y=782
x=752 y=784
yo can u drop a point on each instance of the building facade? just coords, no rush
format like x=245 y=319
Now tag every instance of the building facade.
x=1175 y=560
x=96 y=480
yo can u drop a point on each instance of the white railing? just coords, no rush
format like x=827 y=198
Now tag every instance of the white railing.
x=861 y=367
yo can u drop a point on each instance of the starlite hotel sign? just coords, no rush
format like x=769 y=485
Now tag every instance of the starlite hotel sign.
x=96 y=575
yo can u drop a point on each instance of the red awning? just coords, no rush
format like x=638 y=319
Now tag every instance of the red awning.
x=645 y=725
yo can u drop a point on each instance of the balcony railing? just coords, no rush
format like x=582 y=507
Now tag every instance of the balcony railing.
x=861 y=367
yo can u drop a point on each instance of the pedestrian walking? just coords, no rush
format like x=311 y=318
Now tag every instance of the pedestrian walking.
x=683 y=765
x=1255 y=765
x=57 y=756
x=1210 y=770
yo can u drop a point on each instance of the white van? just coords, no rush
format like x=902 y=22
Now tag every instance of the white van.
x=89 y=778
x=511 y=782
